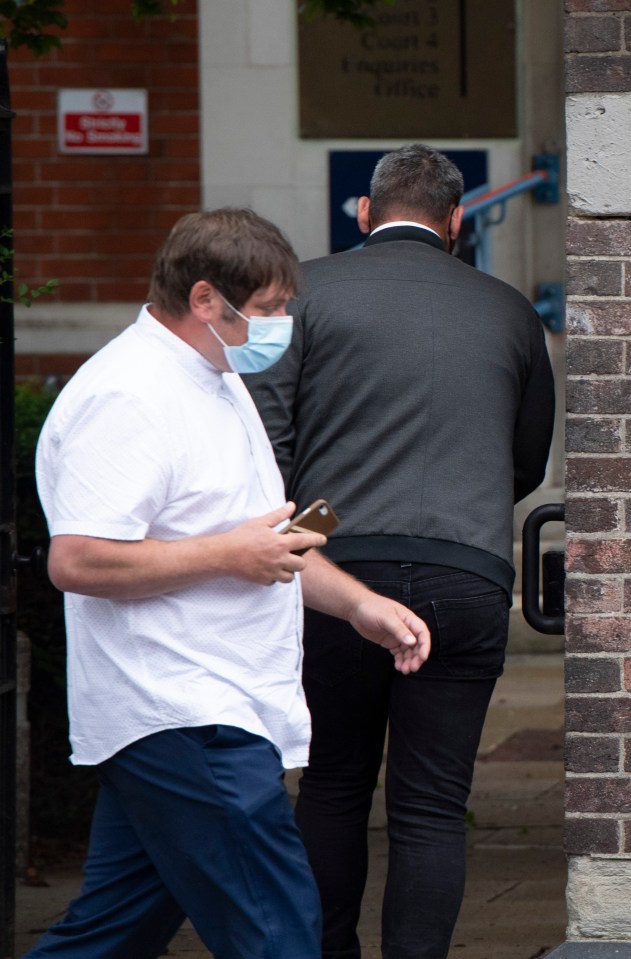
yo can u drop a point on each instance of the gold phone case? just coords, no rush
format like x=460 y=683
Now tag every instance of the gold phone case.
x=319 y=517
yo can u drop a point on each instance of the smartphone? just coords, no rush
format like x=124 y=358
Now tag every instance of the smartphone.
x=318 y=518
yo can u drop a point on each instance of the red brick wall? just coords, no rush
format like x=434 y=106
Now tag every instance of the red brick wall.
x=39 y=368
x=598 y=474
x=94 y=223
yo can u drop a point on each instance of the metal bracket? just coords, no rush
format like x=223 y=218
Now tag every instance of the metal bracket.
x=548 y=191
x=543 y=181
x=550 y=306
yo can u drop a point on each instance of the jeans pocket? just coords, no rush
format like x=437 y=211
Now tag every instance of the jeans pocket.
x=469 y=641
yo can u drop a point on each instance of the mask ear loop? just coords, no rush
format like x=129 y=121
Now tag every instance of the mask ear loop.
x=216 y=334
x=234 y=309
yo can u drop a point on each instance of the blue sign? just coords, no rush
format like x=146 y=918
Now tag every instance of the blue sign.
x=349 y=178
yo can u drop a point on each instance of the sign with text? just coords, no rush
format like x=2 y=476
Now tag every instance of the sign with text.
x=102 y=121
x=426 y=69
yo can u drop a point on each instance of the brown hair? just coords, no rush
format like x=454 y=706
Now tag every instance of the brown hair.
x=234 y=249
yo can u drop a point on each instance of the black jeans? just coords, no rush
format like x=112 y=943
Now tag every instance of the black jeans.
x=435 y=720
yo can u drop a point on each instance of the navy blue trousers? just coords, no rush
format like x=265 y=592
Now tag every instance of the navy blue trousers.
x=192 y=822
x=434 y=720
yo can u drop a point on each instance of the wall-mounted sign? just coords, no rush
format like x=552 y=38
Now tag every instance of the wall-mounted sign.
x=102 y=121
x=427 y=69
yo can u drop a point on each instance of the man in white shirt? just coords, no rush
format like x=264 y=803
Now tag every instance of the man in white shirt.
x=184 y=612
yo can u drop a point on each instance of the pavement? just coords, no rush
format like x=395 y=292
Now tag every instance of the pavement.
x=514 y=904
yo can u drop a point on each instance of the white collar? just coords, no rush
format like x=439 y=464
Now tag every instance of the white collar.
x=421 y=226
x=190 y=359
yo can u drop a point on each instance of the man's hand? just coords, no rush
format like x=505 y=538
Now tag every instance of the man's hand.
x=393 y=626
x=262 y=555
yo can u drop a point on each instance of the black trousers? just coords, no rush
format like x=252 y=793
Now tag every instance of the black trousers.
x=434 y=720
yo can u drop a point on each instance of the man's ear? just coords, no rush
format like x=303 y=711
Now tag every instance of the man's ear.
x=455 y=223
x=204 y=301
x=363 y=214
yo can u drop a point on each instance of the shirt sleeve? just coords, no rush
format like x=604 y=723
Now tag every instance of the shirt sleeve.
x=104 y=473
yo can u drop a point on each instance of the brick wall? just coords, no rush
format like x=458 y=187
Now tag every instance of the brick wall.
x=598 y=469
x=94 y=222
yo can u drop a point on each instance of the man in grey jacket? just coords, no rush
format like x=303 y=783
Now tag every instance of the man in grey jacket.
x=417 y=396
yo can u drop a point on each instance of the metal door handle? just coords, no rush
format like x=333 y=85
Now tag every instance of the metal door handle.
x=552 y=619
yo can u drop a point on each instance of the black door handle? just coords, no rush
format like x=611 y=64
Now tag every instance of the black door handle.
x=552 y=619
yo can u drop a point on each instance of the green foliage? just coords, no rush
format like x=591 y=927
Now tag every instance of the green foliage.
x=355 y=12
x=24 y=23
x=25 y=293
x=31 y=409
x=142 y=9
x=470 y=820
x=62 y=796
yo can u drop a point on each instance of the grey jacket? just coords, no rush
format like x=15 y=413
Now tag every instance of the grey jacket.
x=417 y=397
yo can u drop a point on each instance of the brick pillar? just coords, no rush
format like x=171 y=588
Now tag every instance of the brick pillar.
x=598 y=478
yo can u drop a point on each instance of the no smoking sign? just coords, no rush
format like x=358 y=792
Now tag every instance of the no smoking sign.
x=102 y=121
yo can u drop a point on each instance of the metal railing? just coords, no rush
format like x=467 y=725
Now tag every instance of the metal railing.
x=487 y=208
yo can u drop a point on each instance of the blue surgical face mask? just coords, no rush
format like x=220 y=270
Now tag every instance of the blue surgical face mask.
x=268 y=338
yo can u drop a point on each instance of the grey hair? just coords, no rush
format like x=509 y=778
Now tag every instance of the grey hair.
x=413 y=180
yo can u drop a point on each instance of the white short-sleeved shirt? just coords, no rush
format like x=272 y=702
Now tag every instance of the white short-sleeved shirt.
x=149 y=440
